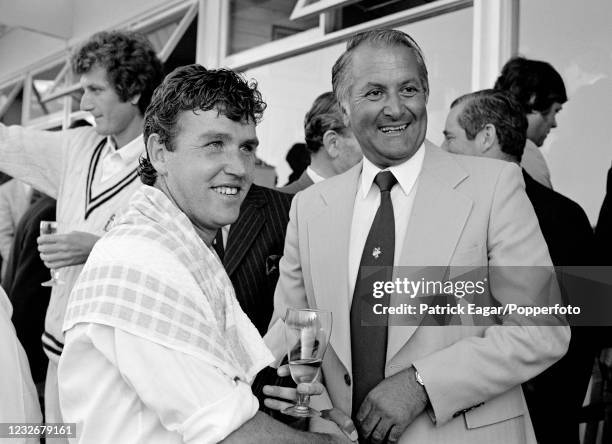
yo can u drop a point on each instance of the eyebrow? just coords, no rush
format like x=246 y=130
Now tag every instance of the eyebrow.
x=253 y=142
x=404 y=82
x=224 y=137
x=93 y=85
x=213 y=135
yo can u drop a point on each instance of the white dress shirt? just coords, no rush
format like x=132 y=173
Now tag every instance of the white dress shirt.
x=367 y=201
x=115 y=160
x=314 y=176
x=534 y=163
x=140 y=390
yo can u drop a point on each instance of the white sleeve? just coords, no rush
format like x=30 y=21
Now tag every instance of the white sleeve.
x=188 y=395
x=18 y=397
x=33 y=156
x=7 y=226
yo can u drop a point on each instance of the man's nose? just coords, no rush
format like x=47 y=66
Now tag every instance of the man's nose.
x=554 y=122
x=86 y=104
x=236 y=163
x=394 y=106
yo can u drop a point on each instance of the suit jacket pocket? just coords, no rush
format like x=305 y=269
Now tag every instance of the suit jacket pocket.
x=506 y=406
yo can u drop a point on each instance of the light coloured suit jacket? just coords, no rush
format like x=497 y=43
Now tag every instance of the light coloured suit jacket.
x=467 y=211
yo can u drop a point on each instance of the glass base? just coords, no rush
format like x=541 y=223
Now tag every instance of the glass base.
x=301 y=411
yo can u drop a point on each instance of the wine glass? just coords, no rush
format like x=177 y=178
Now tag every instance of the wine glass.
x=50 y=227
x=307 y=334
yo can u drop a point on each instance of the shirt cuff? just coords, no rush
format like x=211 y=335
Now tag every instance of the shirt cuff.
x=275 y=341
x=215 y=422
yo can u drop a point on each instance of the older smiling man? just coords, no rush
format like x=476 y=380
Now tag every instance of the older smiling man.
x=409 y=203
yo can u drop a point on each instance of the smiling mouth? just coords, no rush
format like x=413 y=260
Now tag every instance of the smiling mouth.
x=227 y=190
x=393 y=130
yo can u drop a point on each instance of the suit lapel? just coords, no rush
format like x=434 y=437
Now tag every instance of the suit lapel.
x=438 y=216
x=328 y=235
x=244 y=231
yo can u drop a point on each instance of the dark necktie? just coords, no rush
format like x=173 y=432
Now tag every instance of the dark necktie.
x=368 y=330
x=218 y=244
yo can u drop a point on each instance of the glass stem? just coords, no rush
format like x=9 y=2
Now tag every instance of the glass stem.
x=303 y=400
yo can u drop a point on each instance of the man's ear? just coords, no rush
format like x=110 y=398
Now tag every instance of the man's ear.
x=158 y=154
x=330 y=143
x=345 y=114
x=487 y=137
x=134 y=100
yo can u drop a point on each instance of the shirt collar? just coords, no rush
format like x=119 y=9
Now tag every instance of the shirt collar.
x=128 y=152
x=406 y=173
x=314 y=176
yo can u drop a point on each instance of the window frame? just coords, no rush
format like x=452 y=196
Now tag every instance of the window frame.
x=16 y=84
x=187 y=10
x=303 y=10
x=318 y=38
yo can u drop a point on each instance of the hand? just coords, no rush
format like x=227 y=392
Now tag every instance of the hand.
x=62 y=250
x=391 y=406
x=343 y=421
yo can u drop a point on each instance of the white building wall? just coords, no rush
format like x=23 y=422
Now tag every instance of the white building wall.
x=20 y=48
x=94 y=15
x=575 y=37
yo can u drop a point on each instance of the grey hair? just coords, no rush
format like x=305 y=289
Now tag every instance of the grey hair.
x=500 y=109
x=341 y=71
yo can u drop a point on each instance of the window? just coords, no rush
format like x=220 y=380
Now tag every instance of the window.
x=366 y=10
x=44 y=84
x=255 y=22
x=308 y=8
x=11 y=103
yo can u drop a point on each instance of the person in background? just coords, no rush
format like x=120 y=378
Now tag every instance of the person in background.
x=14 y=201
x=92 y=172
x=540 y=90
x=332 y=146
x=24 y=274
x=492 y=124
x=298 y=159
x=18 y=398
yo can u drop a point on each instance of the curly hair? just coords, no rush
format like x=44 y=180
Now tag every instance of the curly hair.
x=131 y=65
x=194 y=88
x=500 y=109
x=535 y=84
x=323 y=116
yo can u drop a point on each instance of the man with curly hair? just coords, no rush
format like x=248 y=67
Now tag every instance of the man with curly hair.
x=90 y=171
x=170 y=355
x=540 y=90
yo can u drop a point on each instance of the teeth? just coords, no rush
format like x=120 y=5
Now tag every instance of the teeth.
x=229 y=191
x=395 y=129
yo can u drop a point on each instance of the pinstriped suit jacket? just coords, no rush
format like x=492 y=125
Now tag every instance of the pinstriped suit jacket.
x=254 y=246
